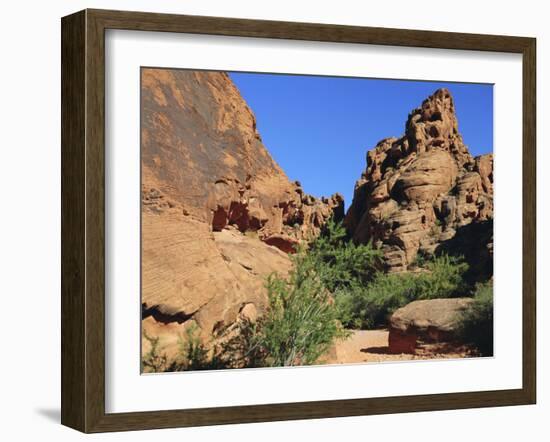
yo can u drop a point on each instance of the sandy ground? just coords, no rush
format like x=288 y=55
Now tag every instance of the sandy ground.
x=372 y=346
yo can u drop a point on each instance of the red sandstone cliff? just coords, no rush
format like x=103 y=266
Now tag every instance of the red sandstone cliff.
x=218 y=213
x=424 y=192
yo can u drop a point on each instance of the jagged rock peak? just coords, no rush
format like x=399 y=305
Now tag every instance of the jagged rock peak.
x=418 y=190
x=434 y=125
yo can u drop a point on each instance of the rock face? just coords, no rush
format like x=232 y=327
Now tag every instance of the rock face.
x=218 y=214
x=419 y=191
x=433 y=320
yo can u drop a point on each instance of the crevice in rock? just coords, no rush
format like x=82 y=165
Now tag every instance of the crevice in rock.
x=159 y=316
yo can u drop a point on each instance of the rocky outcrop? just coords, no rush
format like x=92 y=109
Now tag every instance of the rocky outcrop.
x=433 y=320
x=218 y=214
x=419 y=190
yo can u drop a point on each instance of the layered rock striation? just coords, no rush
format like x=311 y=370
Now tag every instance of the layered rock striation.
x=424 y=192
x=218 y=213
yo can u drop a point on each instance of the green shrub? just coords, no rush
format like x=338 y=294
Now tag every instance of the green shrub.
x=444 y=278
x=195 y=355
x=363 y=294
x=300 y=324
x=344 y=269
x=369 y=305
x=153 y=361
x=340 y=262
x=476 y=326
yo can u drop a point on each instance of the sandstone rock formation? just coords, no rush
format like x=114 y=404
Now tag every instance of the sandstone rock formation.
x=432 y=320
x=218 y=214
x=421 y=190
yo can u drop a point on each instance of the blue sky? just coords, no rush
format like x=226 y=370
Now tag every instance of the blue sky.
x=319 y=128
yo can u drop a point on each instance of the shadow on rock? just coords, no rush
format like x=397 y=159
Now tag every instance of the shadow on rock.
x=475 y=243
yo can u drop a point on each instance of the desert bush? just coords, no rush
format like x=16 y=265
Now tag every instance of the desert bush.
x=444 y=278
x=366 y=307
x=340 y=262
x=153 y=361
x=363 y=294
x=344 y=269
x=300 y=324
x=369 y=305
x=476 y=325
x=195 y=355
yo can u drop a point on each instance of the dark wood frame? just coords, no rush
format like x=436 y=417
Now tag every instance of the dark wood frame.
x=83 y=216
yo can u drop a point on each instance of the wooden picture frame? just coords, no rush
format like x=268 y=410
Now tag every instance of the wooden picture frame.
x=83 y=220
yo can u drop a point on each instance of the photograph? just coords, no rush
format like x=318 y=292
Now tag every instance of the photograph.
x=252 y=221
x=291 y=220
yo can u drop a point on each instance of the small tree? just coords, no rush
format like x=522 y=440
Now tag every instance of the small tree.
x=340 y=262
x=300 y=323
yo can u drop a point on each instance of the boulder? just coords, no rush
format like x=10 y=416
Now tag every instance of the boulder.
x=433 y=320
x=249 y=313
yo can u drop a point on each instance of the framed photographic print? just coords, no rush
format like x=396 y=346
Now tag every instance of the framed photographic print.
x=268 y=220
